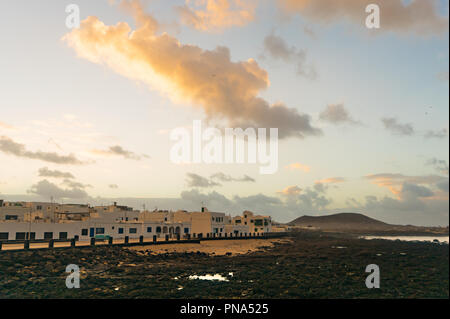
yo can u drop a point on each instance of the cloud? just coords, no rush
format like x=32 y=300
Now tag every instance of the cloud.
x=416 y=190
x=8 y=146
x=421 y=200
x=443 y=186
x=227 y=178
x=46 y=189
x=442 y=76
x=278 y=49
x=194 y=180
x=299 y=166
x=440 y=166
x=290 y=190
x=396 y=182
x=119 y=151
x=113 y=186
x=337 y=114
x=224 y=89
x=259 y=203
x=73 y=184
x=45 y=172
x=392 y=125
x=415 y=204
x=6 y=126
x=414 y=210
x=331 y=180
x=436 y=134
x=320 y=187
x=309 y=32
x=310 y=199
x=215 y=15
x=418 y=17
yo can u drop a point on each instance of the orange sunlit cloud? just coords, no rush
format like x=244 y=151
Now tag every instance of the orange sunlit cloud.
x=331 y=180
x=214 y=15
x=299 y=166
x=208 y=79
x=290 y=190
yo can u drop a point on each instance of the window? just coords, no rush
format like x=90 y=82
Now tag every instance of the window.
x=20 y=236
x=186 y=230
x=158 y=229
x=258 y=222
x=11 y=217
x=99 y=230
x=238 y=221
x=133 y=230
x=4 y=236
x=149 y=229
x=120 y=230
x=38 y=207
x=63 y=235
x=48 y=235
x=84 y=232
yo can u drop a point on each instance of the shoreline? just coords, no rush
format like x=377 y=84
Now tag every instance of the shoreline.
x=308 y=265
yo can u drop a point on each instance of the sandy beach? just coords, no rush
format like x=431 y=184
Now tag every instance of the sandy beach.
x=214 y=247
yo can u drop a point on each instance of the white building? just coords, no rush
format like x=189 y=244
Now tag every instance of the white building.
x=45 y=221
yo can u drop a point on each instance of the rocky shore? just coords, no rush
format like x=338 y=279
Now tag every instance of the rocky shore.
x=309 y=265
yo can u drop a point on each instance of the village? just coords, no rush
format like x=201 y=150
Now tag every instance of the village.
x=37 y=221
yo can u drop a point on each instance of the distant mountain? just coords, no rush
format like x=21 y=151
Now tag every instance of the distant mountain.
x=355 y=222
x=340 y=221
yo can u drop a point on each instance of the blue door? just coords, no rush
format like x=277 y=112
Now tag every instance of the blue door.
x=91 y=232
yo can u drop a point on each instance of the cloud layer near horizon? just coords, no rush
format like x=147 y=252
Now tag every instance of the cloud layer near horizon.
x=224 y=89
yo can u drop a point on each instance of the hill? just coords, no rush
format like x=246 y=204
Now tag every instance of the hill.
x=355 y=222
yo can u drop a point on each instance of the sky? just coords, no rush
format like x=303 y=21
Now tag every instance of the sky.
x=86 y=113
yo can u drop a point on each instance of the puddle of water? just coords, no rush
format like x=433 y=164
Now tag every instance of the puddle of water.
x=217 y=277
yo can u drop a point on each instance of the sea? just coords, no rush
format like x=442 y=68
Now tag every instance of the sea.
x=435 y=239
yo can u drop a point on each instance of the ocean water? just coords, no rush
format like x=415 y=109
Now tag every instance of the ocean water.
x=441 y=239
